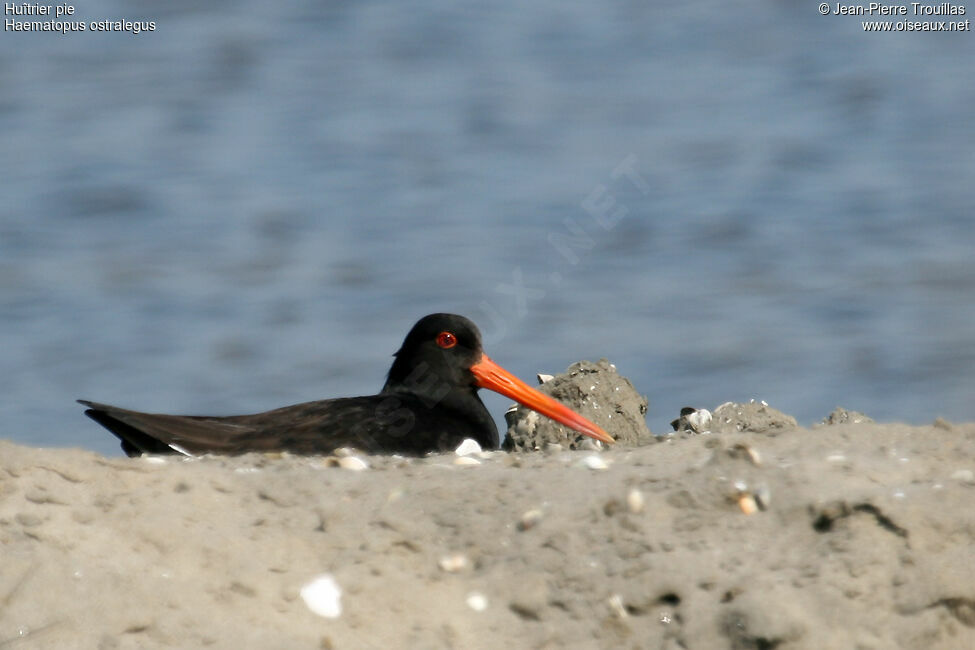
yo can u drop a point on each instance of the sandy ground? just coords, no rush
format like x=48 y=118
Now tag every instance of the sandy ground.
x=867 y=540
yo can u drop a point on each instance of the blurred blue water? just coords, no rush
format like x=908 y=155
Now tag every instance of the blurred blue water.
x=250 y=206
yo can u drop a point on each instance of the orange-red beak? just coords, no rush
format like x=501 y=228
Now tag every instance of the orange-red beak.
x=490 y=375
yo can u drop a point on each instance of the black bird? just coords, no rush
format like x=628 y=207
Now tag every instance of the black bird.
x=429 y=403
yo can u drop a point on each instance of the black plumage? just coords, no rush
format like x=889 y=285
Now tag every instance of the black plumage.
x=429 y=403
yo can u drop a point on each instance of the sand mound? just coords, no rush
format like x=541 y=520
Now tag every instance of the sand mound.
x=865 y=542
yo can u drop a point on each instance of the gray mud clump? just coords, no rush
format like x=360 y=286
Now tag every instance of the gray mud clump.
x=842 y=416
x=757 y=417
x=594 y=390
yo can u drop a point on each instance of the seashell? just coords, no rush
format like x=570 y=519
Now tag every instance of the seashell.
x=699 y=420
x=467 y=447
x=353 y=463
x=477 y=601
x=323 y=596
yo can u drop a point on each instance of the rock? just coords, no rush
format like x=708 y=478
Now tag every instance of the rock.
x=594 y=390
x=757 y=417
x=842 y=416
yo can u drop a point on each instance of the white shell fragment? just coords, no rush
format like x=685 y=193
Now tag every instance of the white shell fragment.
x=466 y=461
x=594 y=462
x=635 y=501
x=616 y=606
x=468 y=447
x=181 y=450
x=477 y=601
x=353 y=463
x=700 y=420
x=542 y=378
x=454 y=562
x=323 y=596
x=693 y=420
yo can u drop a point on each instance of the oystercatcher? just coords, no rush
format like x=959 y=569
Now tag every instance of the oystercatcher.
x=429 y=404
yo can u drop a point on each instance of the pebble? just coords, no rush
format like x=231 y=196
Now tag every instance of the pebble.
x=454 y=562
x=323 y=596
x=530 y=519
x=468 y=447
x=466 y=461
x=635 y=501
x=763 y=497
x=747 y=504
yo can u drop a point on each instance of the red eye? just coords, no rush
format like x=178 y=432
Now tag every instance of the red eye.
x=446 y=340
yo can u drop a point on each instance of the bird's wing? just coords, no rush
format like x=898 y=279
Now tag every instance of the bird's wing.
x=160 y=434
x=375 y=423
